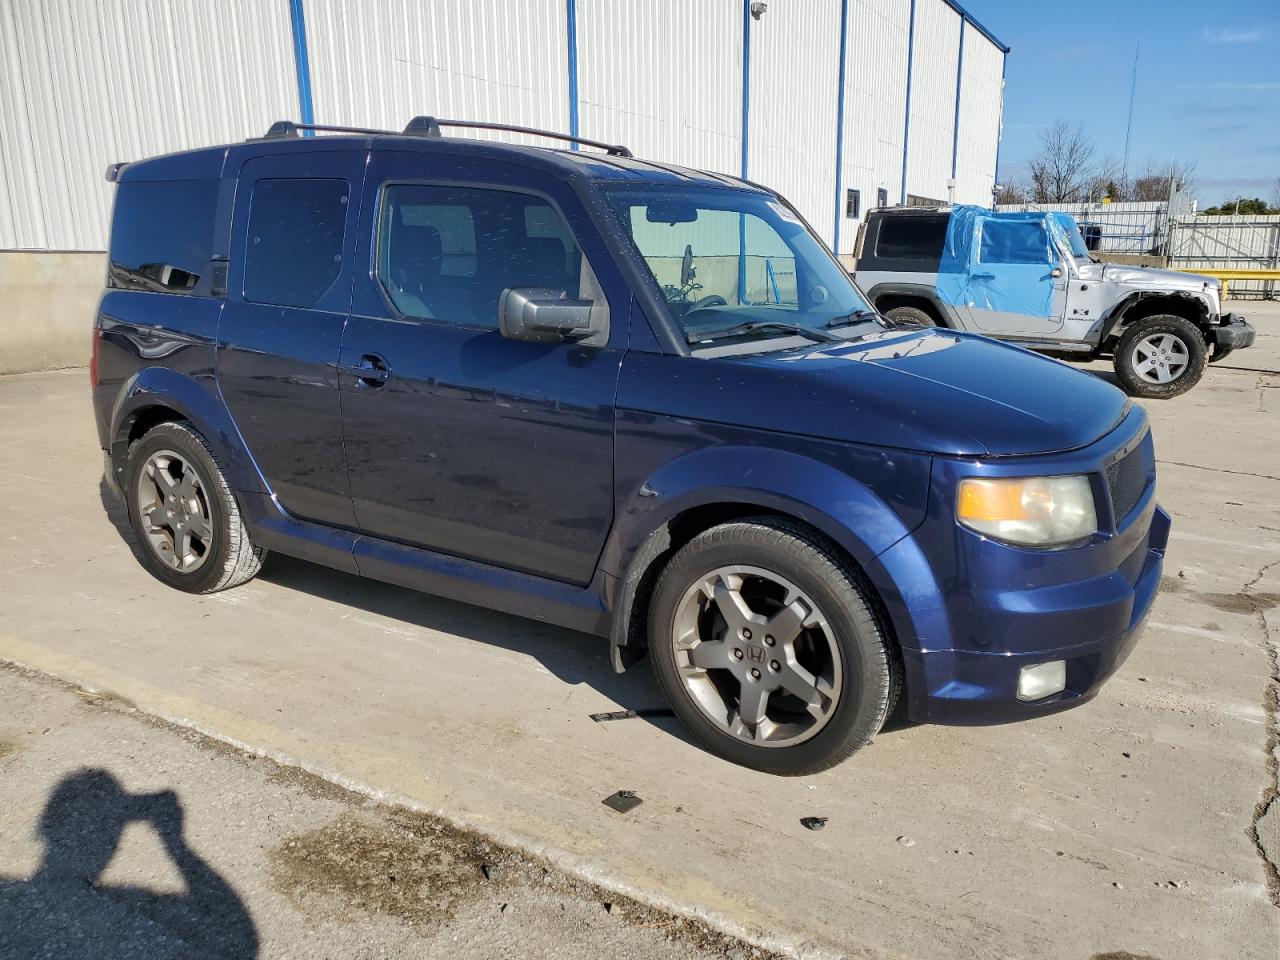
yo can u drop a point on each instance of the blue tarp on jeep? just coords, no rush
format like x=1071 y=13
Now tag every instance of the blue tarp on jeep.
x=1001 y=262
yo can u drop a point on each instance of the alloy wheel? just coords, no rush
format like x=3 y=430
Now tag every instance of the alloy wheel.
x=1160 y=358
x=757 y=656
x=174 y=509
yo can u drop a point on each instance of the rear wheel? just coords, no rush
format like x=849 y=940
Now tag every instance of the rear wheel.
x=184 y=515
x=910 y=316
x=768 y=646
x=1160 y=357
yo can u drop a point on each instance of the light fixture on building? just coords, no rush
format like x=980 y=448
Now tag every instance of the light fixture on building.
x=757 y=9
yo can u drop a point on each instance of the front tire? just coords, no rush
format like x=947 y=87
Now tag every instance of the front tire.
x=1160 y=357
x=769 y=648
x=910 y=317
x=186 y=519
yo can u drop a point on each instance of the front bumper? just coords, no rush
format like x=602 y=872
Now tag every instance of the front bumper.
x=980 y=687
x=1234 y=333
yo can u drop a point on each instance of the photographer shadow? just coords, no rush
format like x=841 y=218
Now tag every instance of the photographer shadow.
x=65 y=910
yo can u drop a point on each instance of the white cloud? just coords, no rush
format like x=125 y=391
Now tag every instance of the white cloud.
x=1229 y=35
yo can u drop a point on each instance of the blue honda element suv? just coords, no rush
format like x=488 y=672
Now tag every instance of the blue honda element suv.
x=632 y=399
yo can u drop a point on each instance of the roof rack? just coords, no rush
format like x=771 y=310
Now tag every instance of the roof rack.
x=430 y=127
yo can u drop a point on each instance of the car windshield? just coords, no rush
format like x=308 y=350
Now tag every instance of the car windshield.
x=1079 y=249
x=737 y=263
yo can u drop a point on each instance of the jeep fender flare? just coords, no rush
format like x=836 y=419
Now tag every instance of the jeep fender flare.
x=197 y=401
x=918 y=291
x=856 y=519
x=1114 y=322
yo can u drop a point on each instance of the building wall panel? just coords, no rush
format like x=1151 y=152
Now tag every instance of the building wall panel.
x=981 y=107
x=88 y=84
x=933 y=99
x=795 y=50
x=664 y=78
x=875 y=101
x=379 y=63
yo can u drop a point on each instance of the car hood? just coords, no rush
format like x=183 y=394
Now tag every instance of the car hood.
x=936 y=391
x=1145 y=277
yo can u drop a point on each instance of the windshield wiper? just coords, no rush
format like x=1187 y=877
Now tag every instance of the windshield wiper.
x=858 y=316
x=751 y=326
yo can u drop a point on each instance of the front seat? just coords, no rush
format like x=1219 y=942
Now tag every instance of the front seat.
x=416 y=253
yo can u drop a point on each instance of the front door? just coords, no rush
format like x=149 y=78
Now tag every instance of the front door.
x=1016 y=279
x=288 y=292
x=457 y=439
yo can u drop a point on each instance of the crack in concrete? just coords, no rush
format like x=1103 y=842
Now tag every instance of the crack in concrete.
x=1238 y=473
x=1268 y=805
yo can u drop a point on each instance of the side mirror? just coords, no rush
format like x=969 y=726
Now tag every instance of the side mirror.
x=539 y=315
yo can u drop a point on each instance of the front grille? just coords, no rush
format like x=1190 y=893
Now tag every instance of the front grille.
x=1126 y=480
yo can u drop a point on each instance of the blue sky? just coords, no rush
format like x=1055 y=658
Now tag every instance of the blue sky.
x=1208 y=83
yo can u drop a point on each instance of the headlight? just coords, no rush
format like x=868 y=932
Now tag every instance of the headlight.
x=1035 y=511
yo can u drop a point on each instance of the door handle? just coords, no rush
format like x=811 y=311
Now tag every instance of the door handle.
x=982 y=276
x=371 y=371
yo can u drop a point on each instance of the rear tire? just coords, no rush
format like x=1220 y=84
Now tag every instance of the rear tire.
x=766 y=596
x=910 y=317
x=186 y=519
x=1160 y=357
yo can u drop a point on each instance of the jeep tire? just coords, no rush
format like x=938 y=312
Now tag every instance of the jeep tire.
x=910 y=316
x=770 y=647
x=1160 y=357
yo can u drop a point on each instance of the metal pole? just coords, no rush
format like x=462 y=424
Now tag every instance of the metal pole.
x=1128 y=130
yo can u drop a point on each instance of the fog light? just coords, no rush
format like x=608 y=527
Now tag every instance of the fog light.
x=1042 y=680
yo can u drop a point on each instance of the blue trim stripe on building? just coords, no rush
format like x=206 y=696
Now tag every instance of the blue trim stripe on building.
x=746 y=81
x=844 y=46
x=301 y=63
x=906 y=123
x=571 y=23
x=977 y=24
x=955 y=127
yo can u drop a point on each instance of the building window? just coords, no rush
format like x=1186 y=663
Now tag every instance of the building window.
x=882 y=197
x=294 y=251
x=852 y=204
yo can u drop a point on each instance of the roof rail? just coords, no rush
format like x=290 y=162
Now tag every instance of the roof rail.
x=430 y=127
x=287 y=128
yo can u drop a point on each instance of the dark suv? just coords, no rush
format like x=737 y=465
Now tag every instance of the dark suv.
x=636 y=400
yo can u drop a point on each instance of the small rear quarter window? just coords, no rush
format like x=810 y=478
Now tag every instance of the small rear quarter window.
x=162 y=235
x=293 y=252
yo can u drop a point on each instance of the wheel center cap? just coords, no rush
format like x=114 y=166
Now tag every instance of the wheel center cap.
x=755 y=653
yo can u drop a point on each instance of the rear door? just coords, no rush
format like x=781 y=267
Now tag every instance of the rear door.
x=458 y=439
x=288 y=296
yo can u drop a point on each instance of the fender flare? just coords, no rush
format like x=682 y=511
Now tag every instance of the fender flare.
x=854 y=517
x=197 y=401
x=919 y=291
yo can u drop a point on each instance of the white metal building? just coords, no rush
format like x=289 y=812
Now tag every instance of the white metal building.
x=835 y=103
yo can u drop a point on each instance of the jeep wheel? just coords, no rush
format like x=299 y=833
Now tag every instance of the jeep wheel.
x=910 y=316
x=768 y=647
x=1160 y=357
x=184 y=516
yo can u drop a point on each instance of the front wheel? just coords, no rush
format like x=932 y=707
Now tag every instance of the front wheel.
x=1160 y=357
x=767 y=644
x=905 y=316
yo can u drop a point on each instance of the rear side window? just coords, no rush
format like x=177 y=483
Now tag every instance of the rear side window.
x=911 y=238
x=294 y=249
x=447 y=253
x=162 y=235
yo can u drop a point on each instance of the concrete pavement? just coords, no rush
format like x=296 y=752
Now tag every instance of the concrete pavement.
x=1127 y=825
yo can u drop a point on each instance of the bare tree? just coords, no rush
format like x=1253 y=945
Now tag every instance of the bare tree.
x=1154 y=183
x=1062 y=170
x=1012 y=192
